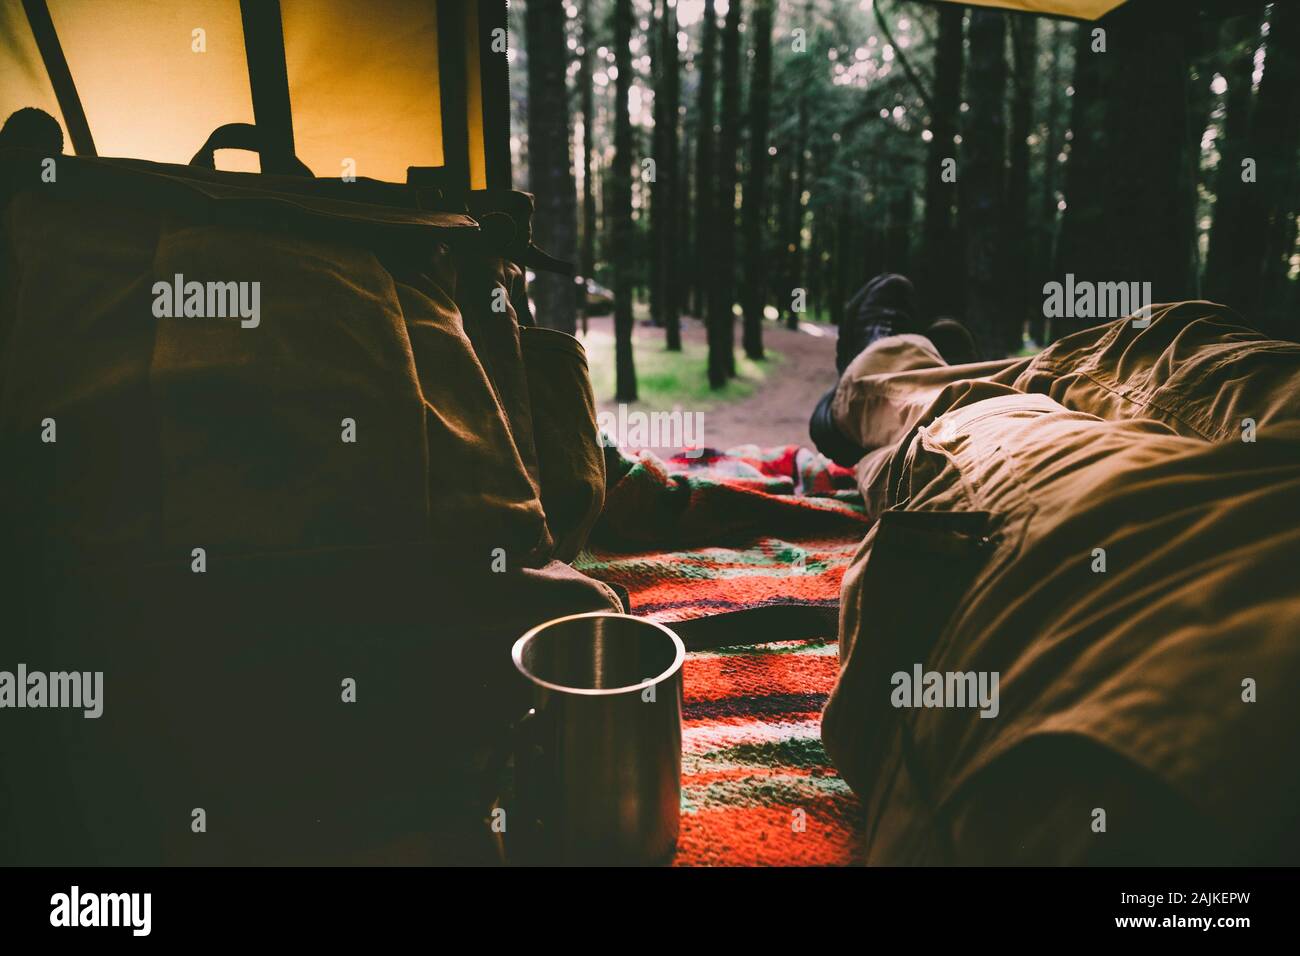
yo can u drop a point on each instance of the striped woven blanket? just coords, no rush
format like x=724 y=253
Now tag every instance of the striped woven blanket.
x=743 y=545
x=742 y=553
x=757 y=787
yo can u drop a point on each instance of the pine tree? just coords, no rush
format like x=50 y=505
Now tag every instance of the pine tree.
x=550 y=165
x=722 y=355
x=621 y=207
x=754 y=211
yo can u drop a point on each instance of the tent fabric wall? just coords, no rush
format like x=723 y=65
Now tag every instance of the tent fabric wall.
x=363 y=80
x=128 y=58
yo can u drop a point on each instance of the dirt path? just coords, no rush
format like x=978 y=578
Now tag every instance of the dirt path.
x=777 y=411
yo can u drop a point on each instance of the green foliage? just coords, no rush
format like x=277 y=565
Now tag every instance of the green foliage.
x=665 y=378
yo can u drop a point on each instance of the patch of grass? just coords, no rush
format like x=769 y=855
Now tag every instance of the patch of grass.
x=666 y=378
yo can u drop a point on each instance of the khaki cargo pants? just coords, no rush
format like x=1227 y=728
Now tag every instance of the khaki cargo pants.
x=1109 y=527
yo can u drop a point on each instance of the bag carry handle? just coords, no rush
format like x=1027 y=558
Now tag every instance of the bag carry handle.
x=249 y=137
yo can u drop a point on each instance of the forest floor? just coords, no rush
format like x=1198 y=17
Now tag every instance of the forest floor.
x=767 y=404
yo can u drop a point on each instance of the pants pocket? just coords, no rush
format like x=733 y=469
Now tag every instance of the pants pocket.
x=917 y=567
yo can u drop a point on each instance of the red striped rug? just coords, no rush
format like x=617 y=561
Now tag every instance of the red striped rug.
x=757 y=787
x=729 y=547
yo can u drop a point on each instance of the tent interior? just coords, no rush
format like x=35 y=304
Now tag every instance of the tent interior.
x=366 y=84
x=296 y=460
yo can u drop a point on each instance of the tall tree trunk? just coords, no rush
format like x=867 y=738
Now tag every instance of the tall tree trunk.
x=1240 y=38
x=817 y=231
x=685 y=252
x=783 y=187
x=1204 y=61
x=1044 y=253
x=841 y=256
x=722 y=355
x=587 y=267
x=1024 y=44
x=1149 y=178
x=873 y=246
x=670 y=291
x=1149 y=174
x=1264 y=228
x=550 y=165
x=621 y=203
x=797 y=188
x=705 y=179
x=943 y=257
x=655 y=188
x=754 y=212
x=897 y=229
x=1128 y=217
x=982 y=181
x=1082 y=243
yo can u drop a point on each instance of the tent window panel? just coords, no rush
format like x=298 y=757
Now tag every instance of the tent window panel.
x=363 y=83
x=147 y=91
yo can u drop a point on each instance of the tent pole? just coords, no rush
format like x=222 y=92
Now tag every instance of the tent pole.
x=56 y=65
x=268 y=80
x=451 y=88
x=495 y=70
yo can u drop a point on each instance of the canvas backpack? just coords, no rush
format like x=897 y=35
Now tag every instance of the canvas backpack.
x=287 y=460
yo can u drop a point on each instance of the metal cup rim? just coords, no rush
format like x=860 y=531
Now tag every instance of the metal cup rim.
x=517 y=655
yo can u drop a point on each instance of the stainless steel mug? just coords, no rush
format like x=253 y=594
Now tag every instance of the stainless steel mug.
x=598 y=759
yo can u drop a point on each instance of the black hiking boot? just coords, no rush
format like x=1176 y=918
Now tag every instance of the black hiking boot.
x=888 y=307
x=827 y=438
x=953 y=340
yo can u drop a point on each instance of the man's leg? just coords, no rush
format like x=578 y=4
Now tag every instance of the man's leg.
x=885 y=306
x=1195 y=366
